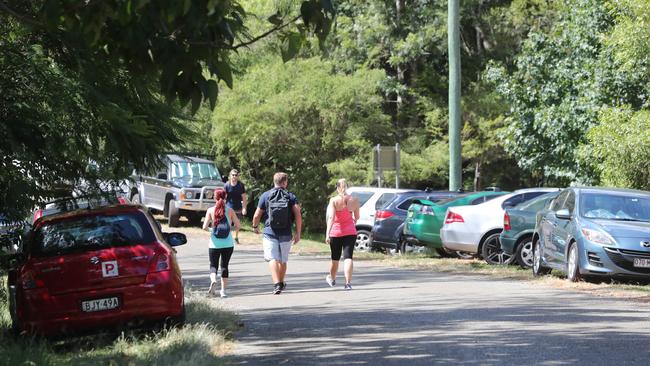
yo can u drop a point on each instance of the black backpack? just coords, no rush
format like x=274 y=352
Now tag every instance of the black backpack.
x=222 y=229
x=278 y=209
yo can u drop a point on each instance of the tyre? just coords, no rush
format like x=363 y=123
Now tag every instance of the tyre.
x=403 y=246
x=573 y=264
x=492 y=252
x=524 y=253
x=176 y=321
x=538 y=268
x=363 y=241
x=445 y=254
x=194 y=218
x=174 y=214
x=15 y=325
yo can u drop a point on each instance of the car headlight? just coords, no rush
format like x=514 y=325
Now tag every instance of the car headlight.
x=208 y=194
x=597 y=236
x=189 y=195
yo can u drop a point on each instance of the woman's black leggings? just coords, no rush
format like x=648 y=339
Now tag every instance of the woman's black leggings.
x=342 y=243
x=225 y=254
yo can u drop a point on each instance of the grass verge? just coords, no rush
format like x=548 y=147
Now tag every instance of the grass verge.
x=204 y=340
x=624 y=290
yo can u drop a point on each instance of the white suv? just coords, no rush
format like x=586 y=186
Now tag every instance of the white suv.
x=370 y=199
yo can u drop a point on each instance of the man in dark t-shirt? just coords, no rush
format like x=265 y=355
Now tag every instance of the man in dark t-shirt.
x=276 y=240
x=236 y=197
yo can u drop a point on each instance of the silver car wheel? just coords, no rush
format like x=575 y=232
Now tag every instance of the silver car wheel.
x=572 y=265
x=363 y=241
x=537 y=258
x=526 y=253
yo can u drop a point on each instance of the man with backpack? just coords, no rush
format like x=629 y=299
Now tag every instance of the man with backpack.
x=280 y=210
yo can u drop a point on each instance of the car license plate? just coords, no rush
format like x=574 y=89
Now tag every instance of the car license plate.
x=642 y=262
x=100 y=304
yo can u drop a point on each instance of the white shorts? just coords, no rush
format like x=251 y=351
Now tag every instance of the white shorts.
x=274 y=249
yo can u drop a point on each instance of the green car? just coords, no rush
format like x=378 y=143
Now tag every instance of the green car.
x=425 y=218
x=518 y=228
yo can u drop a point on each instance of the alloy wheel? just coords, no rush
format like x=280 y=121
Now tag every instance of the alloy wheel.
x=493 y=253
x=363 y=241
x=526 y=253
x=573 y=273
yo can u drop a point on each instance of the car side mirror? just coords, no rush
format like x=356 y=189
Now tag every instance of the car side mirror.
x=175 y=239
x=162 y=176
x=224 y=178
x=563 y=214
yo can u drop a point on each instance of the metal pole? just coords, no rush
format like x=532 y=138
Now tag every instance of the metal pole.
x=453 y=38
x=397 y=163
x=379 y=165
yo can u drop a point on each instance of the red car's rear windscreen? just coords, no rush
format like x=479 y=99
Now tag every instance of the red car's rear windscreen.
x=91 y=232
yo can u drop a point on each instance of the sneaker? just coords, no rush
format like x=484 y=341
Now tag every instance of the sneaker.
x=223 y=294
x=237 y=240
x=348 y=286
x=330 y=281
x=277 y=288
x=283 y=285
x=213 y=289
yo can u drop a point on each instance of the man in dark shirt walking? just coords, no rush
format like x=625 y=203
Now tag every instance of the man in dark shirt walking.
x=280 y=209
x=236 y=197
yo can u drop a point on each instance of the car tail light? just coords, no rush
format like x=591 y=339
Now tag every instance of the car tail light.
x=427 y=210
x=453 y=217
x=383 y=214
x=506 y=222
x=30 y=281
x=37 y=215
x=161 y=262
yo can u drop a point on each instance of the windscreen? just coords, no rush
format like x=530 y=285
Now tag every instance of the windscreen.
x=451 y=199
x=91 y=232
x=195 y=170
x=615 y=206
x=537 y=204
x=362 y=196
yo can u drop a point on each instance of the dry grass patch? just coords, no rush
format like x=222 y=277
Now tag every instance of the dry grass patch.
x=206 y=339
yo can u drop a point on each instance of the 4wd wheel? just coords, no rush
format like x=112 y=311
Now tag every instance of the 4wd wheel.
x=524 y=253
x=538 y=268
x=363 y=241
x=174 y=214
x=573 y=264
x=194 y=218
x=492 y=252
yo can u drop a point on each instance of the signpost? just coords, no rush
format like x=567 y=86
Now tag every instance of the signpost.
x=386 y=158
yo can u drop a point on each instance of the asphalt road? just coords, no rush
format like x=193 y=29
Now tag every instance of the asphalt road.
x=405 y=317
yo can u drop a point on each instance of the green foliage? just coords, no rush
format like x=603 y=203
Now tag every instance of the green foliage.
x=619 y=148
x=298 y=117
x=555 y=93
x=111 y=84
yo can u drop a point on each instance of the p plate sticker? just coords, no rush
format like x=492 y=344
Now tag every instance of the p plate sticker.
x=109 y=269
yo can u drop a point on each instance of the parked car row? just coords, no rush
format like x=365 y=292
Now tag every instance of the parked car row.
x=589 y=233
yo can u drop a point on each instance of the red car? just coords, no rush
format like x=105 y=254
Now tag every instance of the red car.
x=96 y=268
